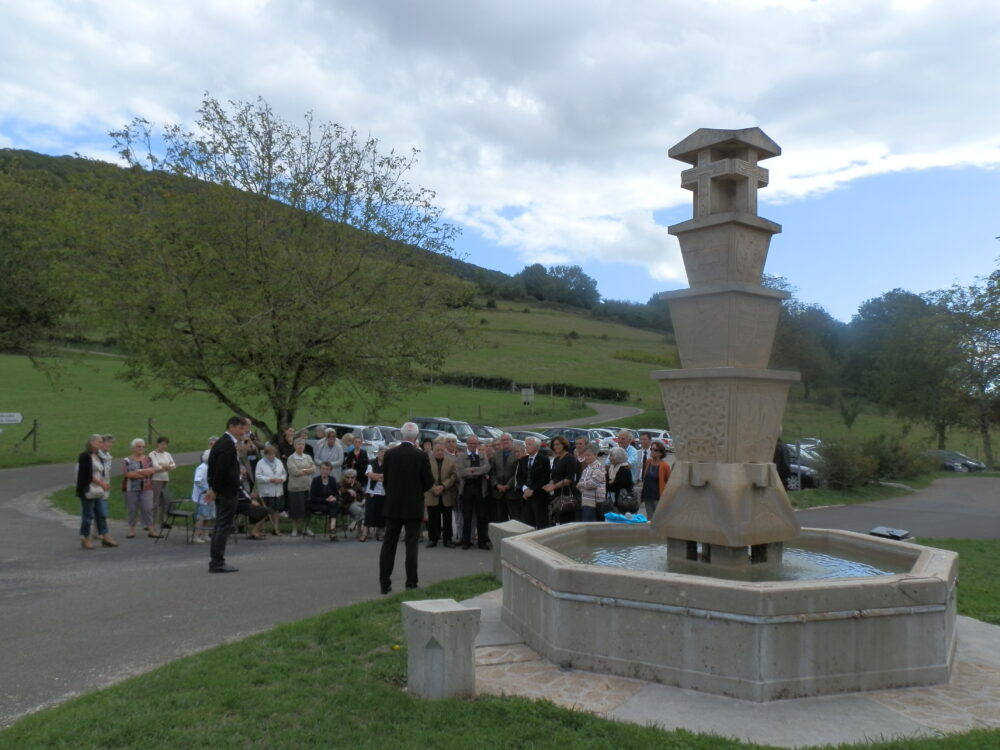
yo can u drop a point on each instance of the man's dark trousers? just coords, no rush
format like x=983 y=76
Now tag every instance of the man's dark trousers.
x=225 y=515
x=387 y=557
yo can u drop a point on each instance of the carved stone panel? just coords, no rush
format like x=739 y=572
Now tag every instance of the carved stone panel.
x=725 y=418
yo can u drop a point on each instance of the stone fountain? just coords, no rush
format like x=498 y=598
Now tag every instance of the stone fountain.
x=720 y=616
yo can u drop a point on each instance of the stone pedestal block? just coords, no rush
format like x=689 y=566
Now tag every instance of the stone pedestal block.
x=440 y=636
x=725 y=414
x=499 y=532
x=734 y=505
x=724 y=247
x=725 y=325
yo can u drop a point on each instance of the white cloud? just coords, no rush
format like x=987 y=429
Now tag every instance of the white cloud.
x=543 y=125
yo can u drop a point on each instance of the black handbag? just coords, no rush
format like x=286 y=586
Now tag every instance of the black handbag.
x=564 y=502
x=627 y=501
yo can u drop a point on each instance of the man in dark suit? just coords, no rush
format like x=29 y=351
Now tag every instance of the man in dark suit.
x=406 y=473
x=531 y=476
x=473 y=492
x=506 y=492
x=223 y=489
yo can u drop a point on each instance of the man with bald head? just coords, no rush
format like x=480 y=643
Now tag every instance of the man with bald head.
x=406 y=476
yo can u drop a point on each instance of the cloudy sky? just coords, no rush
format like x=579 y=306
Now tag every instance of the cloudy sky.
x=544 y=126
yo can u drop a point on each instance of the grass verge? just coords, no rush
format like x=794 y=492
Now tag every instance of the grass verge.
x=336 y=681
x=978 y=592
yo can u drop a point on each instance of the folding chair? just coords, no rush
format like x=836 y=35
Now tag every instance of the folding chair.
x=173 y=512
x=320 y=529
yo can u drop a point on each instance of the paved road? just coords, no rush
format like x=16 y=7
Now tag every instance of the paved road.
x=73 y=621
x=965 y=507
x=605 y=413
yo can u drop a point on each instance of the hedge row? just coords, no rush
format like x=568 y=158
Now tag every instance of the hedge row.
x=493 y=383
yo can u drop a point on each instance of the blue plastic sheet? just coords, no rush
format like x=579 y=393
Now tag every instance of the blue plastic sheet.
x=619 y=518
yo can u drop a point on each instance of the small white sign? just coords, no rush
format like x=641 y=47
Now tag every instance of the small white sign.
x=11 y=417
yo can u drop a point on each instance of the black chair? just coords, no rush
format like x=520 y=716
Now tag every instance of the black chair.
x=174 y=512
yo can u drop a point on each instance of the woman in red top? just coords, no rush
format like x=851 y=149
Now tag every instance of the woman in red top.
x=655 y=474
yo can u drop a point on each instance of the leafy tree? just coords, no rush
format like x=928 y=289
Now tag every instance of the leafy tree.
x=975 y=318
x=903 y=354
x=35 y=296
x=269 y=265
x=574 y=286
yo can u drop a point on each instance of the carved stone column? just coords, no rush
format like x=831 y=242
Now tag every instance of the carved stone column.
x=724 y=503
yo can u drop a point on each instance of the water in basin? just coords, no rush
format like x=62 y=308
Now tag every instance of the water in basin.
x=798 y=564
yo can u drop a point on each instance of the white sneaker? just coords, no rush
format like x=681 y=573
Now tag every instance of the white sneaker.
x=295 y=533
x=308 y=532
x=284 y=514
x=200 y=540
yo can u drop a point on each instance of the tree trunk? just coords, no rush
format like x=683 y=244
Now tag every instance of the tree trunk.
x=984 y=432
x=941 y=430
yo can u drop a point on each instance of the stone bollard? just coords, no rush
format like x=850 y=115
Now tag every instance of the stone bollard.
x=499 y=532
x=440 y=636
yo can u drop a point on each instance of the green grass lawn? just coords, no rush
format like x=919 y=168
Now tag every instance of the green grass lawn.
x=87 y=396
x=978 y=563
x=336 y=680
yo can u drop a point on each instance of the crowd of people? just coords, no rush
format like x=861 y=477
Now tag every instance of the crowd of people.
x=281 y=488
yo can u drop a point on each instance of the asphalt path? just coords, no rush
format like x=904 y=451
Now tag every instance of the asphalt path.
x=966 y=507
x=604 y=413
x=74 y=621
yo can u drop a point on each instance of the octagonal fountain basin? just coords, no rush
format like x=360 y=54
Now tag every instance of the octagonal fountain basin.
x=855 y=613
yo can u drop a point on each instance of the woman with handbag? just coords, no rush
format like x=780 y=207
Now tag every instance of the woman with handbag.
x=564 y=505
x=92 y=486
x=592 y=484
x=621 y=488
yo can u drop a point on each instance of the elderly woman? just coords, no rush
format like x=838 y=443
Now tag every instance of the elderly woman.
x=592 y=483
x=374 y=499
x=270 y=474
x=352 y=499
x=620 y=483
x=330 y=449
x=163 y=462
x=93 y=486
x=323 y=497
x=138 y=470
x=301 y=468
x=355 y=457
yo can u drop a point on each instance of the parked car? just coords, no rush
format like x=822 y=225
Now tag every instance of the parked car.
x=523 y=435
x=804 y=465
x=572 y=433
x=662 y=435
x=955 y=461
x=462 y=430
x=486 y=433
x=372 y=437
x=617 y=430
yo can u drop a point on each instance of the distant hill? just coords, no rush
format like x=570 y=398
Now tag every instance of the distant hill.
x=534 y=285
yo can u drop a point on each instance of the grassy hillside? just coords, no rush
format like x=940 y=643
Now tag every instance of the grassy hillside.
x=536 y=344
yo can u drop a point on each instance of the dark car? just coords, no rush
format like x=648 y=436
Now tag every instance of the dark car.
x=486 y=433
x=462 y=430
x=804 y=464
x=572 y=433
x=955 y=461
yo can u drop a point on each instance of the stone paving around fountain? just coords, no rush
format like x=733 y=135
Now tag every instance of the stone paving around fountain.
x=971 y=700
